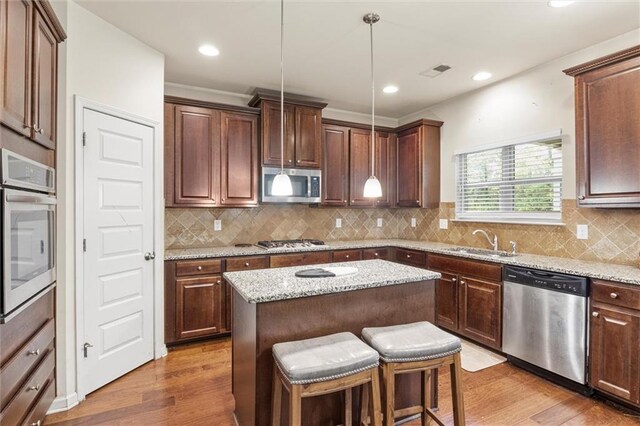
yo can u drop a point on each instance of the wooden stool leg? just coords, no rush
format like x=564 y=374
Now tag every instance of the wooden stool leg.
x=426 y=397
x=389 y=393
x=348 y=407
x=295 y=405
x=364 y=403
x=276 y=398
x=434 y=389
x=456 y=390
x=376 y=412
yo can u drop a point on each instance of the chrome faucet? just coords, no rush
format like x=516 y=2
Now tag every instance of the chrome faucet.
x=494 y=243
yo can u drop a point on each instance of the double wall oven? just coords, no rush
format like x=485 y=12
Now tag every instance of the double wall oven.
x=28 y=213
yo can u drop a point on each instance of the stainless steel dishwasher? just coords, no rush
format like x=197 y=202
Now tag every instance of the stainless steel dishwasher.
x=545 y=320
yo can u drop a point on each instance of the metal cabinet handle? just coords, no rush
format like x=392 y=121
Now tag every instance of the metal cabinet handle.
x=32 y=353
x=298 y=161
x=199 y=268
x=291 y=161
x=408 y=256
x=347 y=256
x=595 y=314
x=33 y=388
x=375 y=254
x=454 y=280
x=218 y=282
x=613 y=295
x=38 y=130
x=246 y=264
x=462 y=282
x=582 y=197
x=38 y=423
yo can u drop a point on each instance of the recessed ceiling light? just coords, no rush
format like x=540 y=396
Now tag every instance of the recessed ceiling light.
x=560 y=3
x=390 y=89
x=208 y=50
x=482 y=75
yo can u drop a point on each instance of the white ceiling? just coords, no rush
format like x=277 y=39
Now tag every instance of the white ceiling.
x=327 y=44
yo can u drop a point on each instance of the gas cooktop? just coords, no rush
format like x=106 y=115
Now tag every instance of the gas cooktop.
x=273 y=244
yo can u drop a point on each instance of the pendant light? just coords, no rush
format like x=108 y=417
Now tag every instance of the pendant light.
x=372 y=187
x=282 y=182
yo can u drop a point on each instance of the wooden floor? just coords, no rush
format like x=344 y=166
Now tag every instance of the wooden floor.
x=192 y=386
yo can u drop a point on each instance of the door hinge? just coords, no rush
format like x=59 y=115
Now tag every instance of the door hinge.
x=84 y=244
x=84 y=138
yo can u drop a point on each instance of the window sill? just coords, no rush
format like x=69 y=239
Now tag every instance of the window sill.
x=511 y=222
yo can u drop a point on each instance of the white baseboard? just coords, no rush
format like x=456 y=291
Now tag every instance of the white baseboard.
x=63 y=403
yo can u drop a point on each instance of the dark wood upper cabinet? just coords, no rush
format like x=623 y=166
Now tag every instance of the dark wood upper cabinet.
x=384 y=167
x=29 y=37
x=211 y=156
x=359 y=166
x=418 y=165
x=239 y=159
x=607 y=108
x=197 y=157
x=335 y=169
x=303 y=130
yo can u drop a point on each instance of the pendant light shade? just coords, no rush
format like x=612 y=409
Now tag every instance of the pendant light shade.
x=281 y=185
x=282 y=182
x=372 y=187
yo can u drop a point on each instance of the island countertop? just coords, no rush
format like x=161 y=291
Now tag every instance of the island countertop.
x=270 y=285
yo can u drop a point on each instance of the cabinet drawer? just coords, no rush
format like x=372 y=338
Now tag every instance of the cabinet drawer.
x=468 y=268
x=412 y=257
x=626 y=296
x=300 y=259
x=39 y=411
x=14 y=371
x=16 y=411
x=347 y=255
x=247 y=263
x=375 y=253
x=198 y=267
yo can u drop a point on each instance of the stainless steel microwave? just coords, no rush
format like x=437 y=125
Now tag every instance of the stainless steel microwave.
x=305 y=183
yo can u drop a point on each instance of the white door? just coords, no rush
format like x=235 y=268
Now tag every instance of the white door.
x=118 y=231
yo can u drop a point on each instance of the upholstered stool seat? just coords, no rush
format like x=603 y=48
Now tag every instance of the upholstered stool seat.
x=321 y=365
x=411 y=342
x=410 y=348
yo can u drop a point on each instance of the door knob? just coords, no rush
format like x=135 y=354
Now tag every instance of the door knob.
x=150 y=255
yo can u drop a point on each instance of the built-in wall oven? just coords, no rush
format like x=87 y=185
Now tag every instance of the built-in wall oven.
x=28 y=232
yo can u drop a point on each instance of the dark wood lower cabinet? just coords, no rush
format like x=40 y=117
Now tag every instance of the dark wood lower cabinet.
x=198 y=306
x=447 y=301
x=480 y=310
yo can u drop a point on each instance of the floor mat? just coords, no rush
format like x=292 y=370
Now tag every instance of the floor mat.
x=476 y=358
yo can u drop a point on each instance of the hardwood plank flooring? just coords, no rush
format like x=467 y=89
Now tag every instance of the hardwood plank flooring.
x=192 y=386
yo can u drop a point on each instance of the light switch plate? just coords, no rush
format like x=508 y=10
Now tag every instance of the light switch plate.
x=414 y=223
x=338 y=222
x=582 y=232
x=379 y=222
x=444 y=224
x=217 y=225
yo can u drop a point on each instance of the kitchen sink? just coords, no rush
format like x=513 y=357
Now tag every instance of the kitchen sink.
x=481 y=252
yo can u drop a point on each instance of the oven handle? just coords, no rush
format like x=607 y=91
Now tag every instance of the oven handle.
x=35 y=199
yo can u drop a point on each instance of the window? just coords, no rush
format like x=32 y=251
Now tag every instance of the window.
x=521 y=182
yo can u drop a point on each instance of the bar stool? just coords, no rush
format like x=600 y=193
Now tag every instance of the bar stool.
x=409 y=348
x=323 y=365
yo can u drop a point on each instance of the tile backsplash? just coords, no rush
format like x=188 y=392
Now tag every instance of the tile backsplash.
x=614 y=234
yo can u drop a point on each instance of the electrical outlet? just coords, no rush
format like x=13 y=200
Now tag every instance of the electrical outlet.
x=379 y=222
x=582 y=232
x=338 y=222
x=414 y=223
x=444 y=224
x=217 y=225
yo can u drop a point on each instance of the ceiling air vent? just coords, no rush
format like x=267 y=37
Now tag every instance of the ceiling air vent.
x=435 y=71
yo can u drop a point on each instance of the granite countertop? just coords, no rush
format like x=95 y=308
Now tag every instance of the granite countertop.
x=270 y=285
x=599 y=270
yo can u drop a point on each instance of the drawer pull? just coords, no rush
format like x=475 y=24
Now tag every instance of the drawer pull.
x=376 y=254
x=199 y=268
x=38 y=423
x=246 y=264
x=347 y=256
x=408 y=256
x=614 y=295
x=595 y=314
x=33 y=388
x=33 y=353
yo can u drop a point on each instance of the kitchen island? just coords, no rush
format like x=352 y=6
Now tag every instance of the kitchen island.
x=273 y=305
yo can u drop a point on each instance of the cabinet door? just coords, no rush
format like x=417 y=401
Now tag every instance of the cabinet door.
x=335 y=165
x=480 y=311
x=271 y=134
x=615 y=359
x=608 y=135
x=15 y=67
x=408 y=166
x=359 y=166
x=198 y=306
x=43 y=91
x=239 y=160
x=197 y=157
x=447 y=301
x=308 y=140
x=384 y=167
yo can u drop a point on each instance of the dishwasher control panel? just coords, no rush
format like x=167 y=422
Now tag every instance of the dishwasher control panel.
x=563 y=283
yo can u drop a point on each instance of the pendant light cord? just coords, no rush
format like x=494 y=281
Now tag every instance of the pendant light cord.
x=282 y=86
x=373 y=105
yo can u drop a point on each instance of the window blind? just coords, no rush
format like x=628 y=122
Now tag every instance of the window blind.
x=517 y=182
